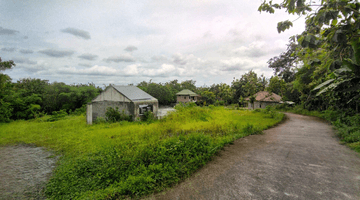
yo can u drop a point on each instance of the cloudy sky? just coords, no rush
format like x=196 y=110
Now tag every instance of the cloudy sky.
x=123 y=42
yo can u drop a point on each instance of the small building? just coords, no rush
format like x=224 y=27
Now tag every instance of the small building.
x=186 y=95
x=263 y=99
x=130 y=99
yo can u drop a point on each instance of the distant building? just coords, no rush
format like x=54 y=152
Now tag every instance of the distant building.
x=130 y=99
x=186 y=95
x=263 y=99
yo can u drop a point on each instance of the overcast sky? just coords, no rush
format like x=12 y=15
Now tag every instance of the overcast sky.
x=123 y=42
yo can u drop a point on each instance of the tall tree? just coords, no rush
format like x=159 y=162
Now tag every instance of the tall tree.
x=329 y=45
x=5 y=90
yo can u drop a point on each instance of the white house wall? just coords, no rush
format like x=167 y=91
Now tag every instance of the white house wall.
x=110 y=94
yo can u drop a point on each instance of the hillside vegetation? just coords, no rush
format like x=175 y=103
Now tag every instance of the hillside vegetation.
x=129 y=159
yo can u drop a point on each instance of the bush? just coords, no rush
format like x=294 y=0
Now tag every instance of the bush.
x=131 y=172
x=114 y=115
x=79 y=111
x=57 y=115
x=148 y=117
x=250 y=129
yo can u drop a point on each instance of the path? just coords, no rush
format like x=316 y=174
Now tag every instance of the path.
x=24 y=170
x=299 y=159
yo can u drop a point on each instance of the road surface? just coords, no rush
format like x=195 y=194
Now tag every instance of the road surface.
x=298 y=159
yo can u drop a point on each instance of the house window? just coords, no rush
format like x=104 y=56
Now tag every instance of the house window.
x=184 y=97
x=145 y=108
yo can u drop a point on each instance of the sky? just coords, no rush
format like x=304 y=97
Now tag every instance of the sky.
x=126 y=42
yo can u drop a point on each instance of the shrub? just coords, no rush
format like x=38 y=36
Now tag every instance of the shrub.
x=79 y=111
x=132 y=172
x=148 y=117
x=57 y=115
x=250 y=129
x=114 y=115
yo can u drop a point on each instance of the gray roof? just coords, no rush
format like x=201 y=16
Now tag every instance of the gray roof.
x=133 y=93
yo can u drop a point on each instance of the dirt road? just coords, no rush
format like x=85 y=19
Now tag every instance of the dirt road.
x=24 y=170
x=299 y=159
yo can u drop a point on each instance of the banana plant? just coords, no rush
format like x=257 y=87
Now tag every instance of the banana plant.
x=348 y=73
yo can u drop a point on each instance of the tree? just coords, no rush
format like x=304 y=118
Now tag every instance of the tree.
x=6 y=64
x=208 y=97
x=327 y=48
x=284 y=65
x=276 y=85
x=189 y=84
x=5 y=90
x=248 y=85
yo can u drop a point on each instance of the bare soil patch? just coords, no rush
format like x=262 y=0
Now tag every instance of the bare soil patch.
x=24 y=171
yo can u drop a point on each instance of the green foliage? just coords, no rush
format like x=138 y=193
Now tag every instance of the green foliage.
x=57 y=115
x=250 y=129
x=114 y=115
x=248 y=85
x=166 y=93
x=117 y=161
x=151 y=168
x=208 y=97
x=326 y=53
x=148 y=117
x=6 y=64
x=5 y=111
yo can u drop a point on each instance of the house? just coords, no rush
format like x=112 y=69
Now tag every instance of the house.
x=186 y=95
x=130 y=99
x=263 y=99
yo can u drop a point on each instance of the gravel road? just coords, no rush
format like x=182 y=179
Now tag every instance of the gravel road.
x=298 y=159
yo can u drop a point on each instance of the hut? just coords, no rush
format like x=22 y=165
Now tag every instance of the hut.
x=263 y=99
x=130 y=99
x=186 y=95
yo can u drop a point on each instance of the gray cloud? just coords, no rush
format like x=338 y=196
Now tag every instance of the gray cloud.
x=26 y=37
x=77 y=32
x=33 y=69
x=88 y=56
x=4 y=31
x=56 y=53
x=179 y=59
x=232 y=68
x=26 y=51
x=130 y=48
x=121 y=58
x=9 y=49
x=84 y=65
x=160 y=58
x=24 y=61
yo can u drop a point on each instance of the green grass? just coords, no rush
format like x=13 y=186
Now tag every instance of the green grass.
x=131 y=159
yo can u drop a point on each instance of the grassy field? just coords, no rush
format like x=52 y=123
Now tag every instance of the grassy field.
x=131 y=159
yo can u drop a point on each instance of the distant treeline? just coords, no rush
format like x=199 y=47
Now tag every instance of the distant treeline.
x=29 y=98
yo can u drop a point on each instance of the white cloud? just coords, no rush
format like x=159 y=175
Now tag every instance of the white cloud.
x=131 y=69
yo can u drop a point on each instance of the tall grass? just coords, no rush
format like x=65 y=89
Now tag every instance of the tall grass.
x=129 y=159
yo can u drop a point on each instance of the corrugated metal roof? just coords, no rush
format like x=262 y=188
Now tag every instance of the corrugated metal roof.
x=187 y=92
x=133 y=93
